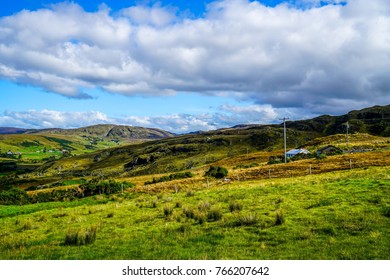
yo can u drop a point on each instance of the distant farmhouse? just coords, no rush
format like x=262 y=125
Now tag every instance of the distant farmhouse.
x=296 y=152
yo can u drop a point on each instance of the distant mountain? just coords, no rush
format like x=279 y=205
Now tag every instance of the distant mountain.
x=12 y=130
x=183 y=152
x=374 y=120
x=101 y=131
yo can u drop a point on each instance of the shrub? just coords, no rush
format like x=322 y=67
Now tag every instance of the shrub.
x=14 y=196
x=235 y=206
x=174 y=176
x=275 y=159
x=217 y=172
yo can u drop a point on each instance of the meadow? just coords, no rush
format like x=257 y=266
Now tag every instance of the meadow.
x=334 y=215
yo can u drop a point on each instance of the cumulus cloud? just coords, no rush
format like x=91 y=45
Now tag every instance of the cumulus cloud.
x=225 y=116
x=52 y=119
x=284 y=56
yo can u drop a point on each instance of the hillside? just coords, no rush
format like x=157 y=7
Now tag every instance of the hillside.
x=345 y=213
x=94 y=154
x=152 y=200
x=374 y=120
x=102 y=131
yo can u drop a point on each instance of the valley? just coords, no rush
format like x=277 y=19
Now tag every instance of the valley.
x=150 y=196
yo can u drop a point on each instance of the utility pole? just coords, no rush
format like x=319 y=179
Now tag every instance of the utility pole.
x=347 y=124
x=285 y=138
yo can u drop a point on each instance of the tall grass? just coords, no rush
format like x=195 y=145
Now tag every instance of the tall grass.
x=81 y=237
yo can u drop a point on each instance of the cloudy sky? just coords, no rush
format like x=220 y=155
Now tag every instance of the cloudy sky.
x=190 y=65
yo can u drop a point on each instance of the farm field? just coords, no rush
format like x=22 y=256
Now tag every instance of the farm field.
x=334 y=215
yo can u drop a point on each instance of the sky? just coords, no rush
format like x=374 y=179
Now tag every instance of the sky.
x=185 y=66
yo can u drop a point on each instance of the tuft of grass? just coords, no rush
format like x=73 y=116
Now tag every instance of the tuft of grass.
x=168 y=210
x=83 y=237
x=178 y=204
x=204 y=206
x=190 y=193
x=184 y=228
x=200 y=217
x=327 y=230
x=279 y=217
x=235 y=207
x=189 y=213
x=60 y=215
x=27 y=225
x=386 y=211
x=214 y=215
x=249 y=219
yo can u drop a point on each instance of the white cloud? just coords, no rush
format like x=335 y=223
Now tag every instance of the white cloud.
x=52 y=119
x=156 y=15
x=284 y=56
x=225 y=116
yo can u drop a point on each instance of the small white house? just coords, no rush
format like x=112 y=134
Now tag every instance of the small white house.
x=295 y=152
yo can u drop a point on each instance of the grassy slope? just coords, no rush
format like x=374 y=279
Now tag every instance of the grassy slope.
x=31 y=145
x=339 y=215
x=179 y=153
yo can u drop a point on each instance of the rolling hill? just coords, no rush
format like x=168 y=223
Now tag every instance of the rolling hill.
x=101 y=130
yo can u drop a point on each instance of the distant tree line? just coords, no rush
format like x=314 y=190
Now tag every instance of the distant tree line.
x=170 y=177
x=16 y=196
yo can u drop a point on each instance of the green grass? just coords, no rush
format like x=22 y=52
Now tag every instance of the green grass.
x=338 y=215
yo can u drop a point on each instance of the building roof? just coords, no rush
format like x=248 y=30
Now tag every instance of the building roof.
x=294 y=152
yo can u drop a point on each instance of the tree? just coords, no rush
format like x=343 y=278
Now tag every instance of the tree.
x=217 y=172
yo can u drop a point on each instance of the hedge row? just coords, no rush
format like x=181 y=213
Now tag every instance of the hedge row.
x=170 y=177
x=16 y=196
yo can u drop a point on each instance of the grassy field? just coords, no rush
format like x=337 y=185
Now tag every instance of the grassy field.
x=38 y=147
x=334 y=215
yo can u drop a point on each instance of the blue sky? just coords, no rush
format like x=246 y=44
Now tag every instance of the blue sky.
x=190 y=65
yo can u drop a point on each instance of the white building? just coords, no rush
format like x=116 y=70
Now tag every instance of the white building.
x=295 y=152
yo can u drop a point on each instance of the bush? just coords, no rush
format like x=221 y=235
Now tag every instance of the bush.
x=275 y=159
x=170 y=177
x=106 y=187
x=217 y=172
x=14 y=196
